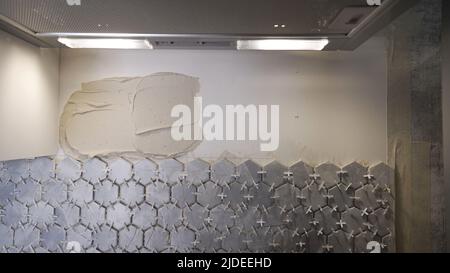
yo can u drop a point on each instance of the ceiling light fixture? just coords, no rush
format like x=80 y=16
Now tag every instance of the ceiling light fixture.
x=286 y=44
x=106 y=43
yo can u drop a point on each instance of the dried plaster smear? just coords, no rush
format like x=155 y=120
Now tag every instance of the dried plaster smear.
x=129 y=116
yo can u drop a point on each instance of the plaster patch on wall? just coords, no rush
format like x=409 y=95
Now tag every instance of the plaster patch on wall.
x=130 y=116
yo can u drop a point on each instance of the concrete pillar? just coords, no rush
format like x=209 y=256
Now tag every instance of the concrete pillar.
x=415 y=127
x=446 y=106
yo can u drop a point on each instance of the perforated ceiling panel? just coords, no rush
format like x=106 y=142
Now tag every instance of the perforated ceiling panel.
x=178 y=16
x=200 y=24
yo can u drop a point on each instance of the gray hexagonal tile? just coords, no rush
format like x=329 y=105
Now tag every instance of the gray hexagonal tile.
x=234 y=241
x=40 y=250
x=312 y=196
x=276 y=216
x=289 y=241
x=208 y=240
x=258 y=241
x=14 y=213
x=383 y=181
x=249 y=173
x=17 y=169
x=383 y=221
x=67 y=215
x=252 y=215
x=223 y=217
x=156 y=239
x=327 y=219
x=298 y=220
x=144 y=216
x=259 y=195
x=93 y=250
x=300 y=173
x=4 y=174
x=287 y=196
x=158 y=194
x=131 y=239
x=12 y=249
x=223 y=172
x=328 y=174
x=120 y=170
x=341 y=197
x=275 y=174
x=106 y=193
x=170 y=216
x=183 y=194
x=52 y=238
x=233 y=194
x=28 y=192
x=340 y=242
x=118 y=215
x=54 y=192
x=81 y=235
x=353 y=220
x=182 y=240
x=365 y=198
x=6 y=236
x=7 y=191
x=26 y=236
x=42 y=168
x=195 y=216
x=383 y=175
x=197 y=171
x=94 y=170
x=388 y=244
x=276 y=243
x=315 y=243
x=208 y=195
x=81 y=192
x=247 y=218
x=145 y=171
x=93 y=214
x=68 y=169
x=361 y=241
x=41 y=214
x=132 y=193
x=170 y=171
x=355 y=173
x=105 y=239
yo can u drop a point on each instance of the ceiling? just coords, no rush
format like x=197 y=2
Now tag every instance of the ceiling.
x=200 y=23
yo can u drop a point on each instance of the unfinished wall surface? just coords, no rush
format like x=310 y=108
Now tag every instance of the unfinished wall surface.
x=127 y=116
x=29 y=88
x=415 y=128
x=332 y=104
x=118 y=205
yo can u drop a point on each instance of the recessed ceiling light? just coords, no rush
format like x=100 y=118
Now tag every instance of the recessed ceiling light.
x=275 y=26
x=286 y=44
x=106 y=43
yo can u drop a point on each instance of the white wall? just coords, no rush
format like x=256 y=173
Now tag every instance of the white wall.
x=332 y=104
x=29 y=88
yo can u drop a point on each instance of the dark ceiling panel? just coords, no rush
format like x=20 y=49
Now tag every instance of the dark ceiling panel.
x=201 y=24
x=178 y=16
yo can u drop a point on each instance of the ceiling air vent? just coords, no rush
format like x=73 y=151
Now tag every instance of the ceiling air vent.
x=349 y=18
x=193 y=44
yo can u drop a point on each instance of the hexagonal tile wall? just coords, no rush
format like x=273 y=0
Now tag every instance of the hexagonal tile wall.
x=129 y=205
